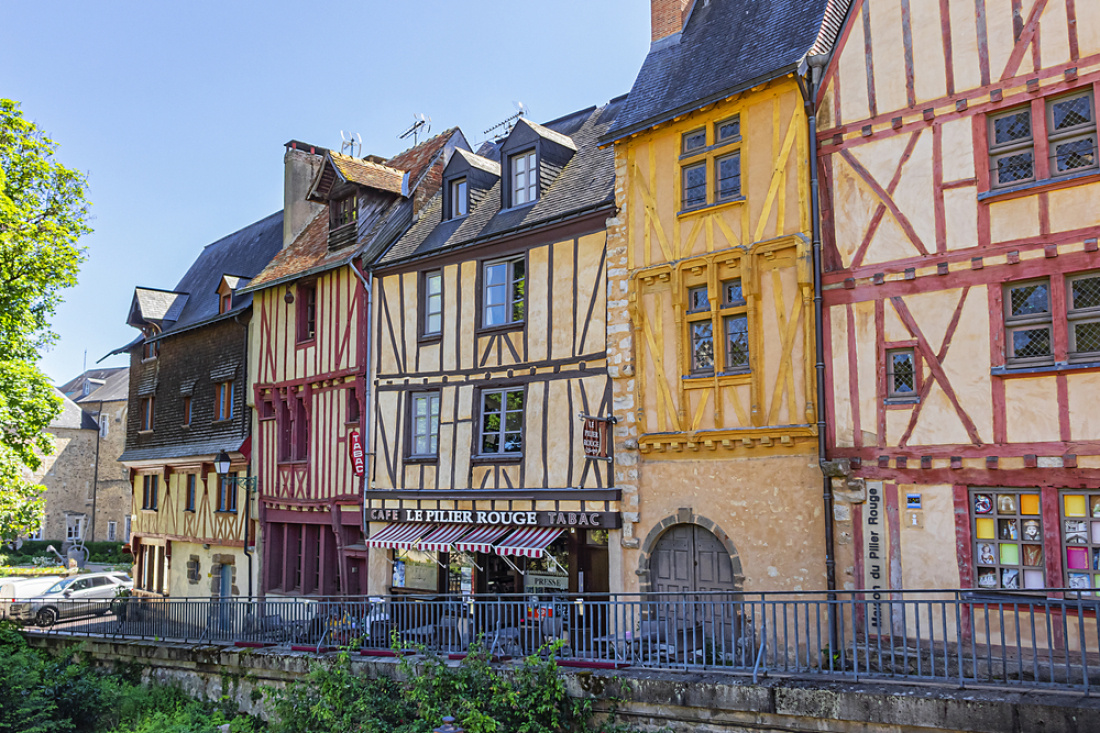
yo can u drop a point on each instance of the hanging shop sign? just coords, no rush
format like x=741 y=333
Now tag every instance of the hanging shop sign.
x=544 y=518
x=596 y=437
x=355 y=452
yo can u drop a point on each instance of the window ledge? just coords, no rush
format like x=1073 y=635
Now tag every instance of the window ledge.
x=511 y=458
x=901 y=401
x=518 y=208
x=145 y=432
x=420 y=460
x=710 y=207
x=223 y=421
x=430 y=338
x=147 y=359
x=294 y=462
x=1062 y=366
x=225 y=511
x=1044 y=184
x=725 y=379
x=311 y=341
x=518 y=326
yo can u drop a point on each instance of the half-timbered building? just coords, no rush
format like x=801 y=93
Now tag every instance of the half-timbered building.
x=193 y=532
x=710 y=312
x=958 y=155
x=309 y=349
x=491 y=353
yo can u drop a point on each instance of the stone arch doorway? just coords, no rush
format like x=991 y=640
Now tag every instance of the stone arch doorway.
x=689 y=558
x=689 y=553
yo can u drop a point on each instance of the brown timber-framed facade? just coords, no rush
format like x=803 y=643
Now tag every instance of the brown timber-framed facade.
x=519 y=356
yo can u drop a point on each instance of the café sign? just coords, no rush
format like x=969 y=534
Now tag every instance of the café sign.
x=544 y=518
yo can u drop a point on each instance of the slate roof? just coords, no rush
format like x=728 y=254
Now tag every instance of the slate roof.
x=183 y=450
x=585 y=183
x=96 y=375
x=71 y=416
x=309 y=252
x=726 y=47
x=157 y=306
x=242 y=254
x=367 y=173
x=116 y=388
x=489 y=166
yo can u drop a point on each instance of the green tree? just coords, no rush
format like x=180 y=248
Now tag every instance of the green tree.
x=43 y=214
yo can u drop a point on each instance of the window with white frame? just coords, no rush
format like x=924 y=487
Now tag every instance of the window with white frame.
x=104 y=424
x=525 y=178
x=128 y=527
x=112 y=531
x=36 y=534
x=459 y=200
x=74 y=528
x=505 y=293
x=424 y=441
x=433 y=303
x=502 y=422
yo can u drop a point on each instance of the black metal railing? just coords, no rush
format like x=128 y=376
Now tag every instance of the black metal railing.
x=955 y=636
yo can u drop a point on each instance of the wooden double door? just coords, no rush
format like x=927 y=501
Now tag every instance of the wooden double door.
x=690 y=559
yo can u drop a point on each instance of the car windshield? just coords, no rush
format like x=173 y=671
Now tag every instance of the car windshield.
x=60 y=585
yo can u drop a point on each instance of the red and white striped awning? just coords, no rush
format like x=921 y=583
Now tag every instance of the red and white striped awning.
x=399 y=536
x=529 y=541
x=443 y=537
x=481 y=539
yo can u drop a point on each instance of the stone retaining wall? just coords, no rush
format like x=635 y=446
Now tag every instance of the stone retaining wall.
x=651 y=700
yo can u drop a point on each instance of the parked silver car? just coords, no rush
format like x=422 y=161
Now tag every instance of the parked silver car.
x=74 y=597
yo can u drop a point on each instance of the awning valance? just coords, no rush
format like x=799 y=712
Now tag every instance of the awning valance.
x=443 y=537
x=481 y=539
x=529 y=541
x=399 y=536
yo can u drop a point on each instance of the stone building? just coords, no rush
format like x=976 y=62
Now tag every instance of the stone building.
x=87 y=494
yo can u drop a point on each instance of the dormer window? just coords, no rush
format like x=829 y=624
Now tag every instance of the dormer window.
x=459 y=199
x=525 y=178
x=345 y=211
x=225 y=303
x=149 y=349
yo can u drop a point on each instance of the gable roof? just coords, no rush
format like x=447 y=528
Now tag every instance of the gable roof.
x=309 y=252
x=475 y=160
x=586 y=183
x=96 y=376
x=194 y=301
x=116 y=388
x=367 y=173
x=726 y=47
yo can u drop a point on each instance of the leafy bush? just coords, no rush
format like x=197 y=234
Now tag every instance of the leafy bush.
x=531 y=699
x=40 y=693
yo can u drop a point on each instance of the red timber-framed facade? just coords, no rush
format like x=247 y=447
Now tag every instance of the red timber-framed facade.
x=310 y=344
x=958 y=165
x=491 y=331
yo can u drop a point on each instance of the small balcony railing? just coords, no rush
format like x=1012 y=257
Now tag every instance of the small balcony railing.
x=946 y=636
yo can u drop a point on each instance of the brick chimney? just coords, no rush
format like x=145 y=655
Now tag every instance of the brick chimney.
x=667 y=17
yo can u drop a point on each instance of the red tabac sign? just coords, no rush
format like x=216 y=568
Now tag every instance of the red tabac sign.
x=355 y=452
x=594 y=438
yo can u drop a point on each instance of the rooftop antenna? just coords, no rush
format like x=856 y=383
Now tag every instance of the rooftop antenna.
x=522 y=110
x=351 y=144
x=420 y=121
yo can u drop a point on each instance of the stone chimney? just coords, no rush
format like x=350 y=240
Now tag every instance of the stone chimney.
x=300 y=166
x=667 y=17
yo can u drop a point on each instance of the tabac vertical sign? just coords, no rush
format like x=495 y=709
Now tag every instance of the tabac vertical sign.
x=596 y=436
x=876 y=572
x=355 y=452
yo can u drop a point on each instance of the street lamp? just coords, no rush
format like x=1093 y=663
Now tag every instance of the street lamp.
x=222 y=464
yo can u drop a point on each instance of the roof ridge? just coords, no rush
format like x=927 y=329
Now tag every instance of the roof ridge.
x=367 y=162
x=449 y=131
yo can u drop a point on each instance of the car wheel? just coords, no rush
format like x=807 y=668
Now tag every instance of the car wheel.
x=46 y=617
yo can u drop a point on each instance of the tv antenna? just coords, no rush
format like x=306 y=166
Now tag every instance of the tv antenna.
x=352 y=144
x=419 y=121
x=522 y=110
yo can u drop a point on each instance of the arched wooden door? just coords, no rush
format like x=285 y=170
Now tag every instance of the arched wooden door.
x=691 y=564
x=688 y=559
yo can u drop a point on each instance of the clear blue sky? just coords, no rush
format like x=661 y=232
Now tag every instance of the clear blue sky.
x=178 y=111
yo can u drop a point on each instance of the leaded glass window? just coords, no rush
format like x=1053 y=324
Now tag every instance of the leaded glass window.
x=702 y=347
x=695 y=185
x=1011 y=147
x=1072 y=134
x=737 y=342
x=1028 y=323
x=1083 y=315
x=901 y=373
x=727 y=172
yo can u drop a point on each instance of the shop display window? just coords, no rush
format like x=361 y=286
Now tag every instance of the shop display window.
x=1080 y=517
x=1008 y=539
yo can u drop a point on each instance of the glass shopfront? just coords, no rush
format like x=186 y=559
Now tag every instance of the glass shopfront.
x=574 y=562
